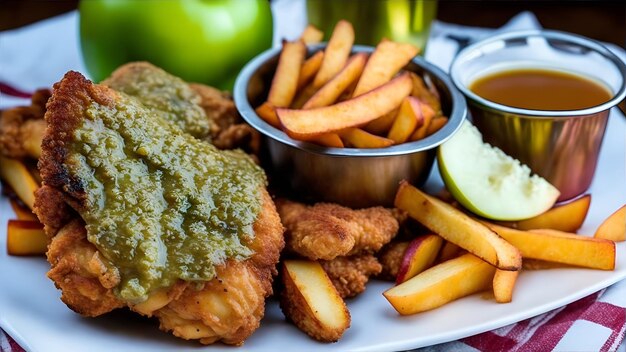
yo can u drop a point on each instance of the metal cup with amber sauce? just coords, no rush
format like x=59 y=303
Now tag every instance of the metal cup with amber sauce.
x=559 y=145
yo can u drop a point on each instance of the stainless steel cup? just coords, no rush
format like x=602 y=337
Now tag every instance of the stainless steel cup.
x=561 y=146
x=348 y=176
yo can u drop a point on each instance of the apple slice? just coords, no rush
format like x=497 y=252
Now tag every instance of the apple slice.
x=26 y=238
x=330 y=91
x=337 y=53
x=387 y=60
x=490 y=183
x=561 y=247
x=408 y=119
x=285 y=80
x=614 y=227
x=16 y=174
x=503 y=285
x=427 y=116
x=456 y=227
x=22 y=212
x=312 y=302
x=441 y=284
x=306 y=124
x=419 y=256
x=356 y=137
x=567 y=217
x=311 y=35
x=309 y=68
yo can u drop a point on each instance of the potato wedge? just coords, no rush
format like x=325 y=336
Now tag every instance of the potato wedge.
x=561 y=247
x=427 y=116
x=310 y=300
x=337 y=53
x=309 y=69
x=330 y=91
x=441 y=284
x=408 y=119
x=387 y=60
x=285 y=81
x=419 y=256
x=26 y=238
x=267 y=112
x=311 y=35
x=614 y=227
x=449 y=251
x=357 y=138
x=307 y=124
x=504 y=284
x=16 y=175
x=382 y=125
x=425 y=94
x=436 y=124
x=329 y=140
x=567 y=217
x=22 y=212
x=456 y=227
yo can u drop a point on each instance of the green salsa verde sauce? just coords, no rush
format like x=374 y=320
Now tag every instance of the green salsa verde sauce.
x=160 y=204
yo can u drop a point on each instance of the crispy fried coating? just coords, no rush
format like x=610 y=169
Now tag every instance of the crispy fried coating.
x=350 y=274
x=390 y=257
x=326 y=231
x=228 y=308
x=22 y=128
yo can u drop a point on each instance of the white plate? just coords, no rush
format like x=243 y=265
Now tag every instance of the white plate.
x=31 y=312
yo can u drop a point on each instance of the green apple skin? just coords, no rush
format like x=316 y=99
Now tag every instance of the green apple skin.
x=205 y=41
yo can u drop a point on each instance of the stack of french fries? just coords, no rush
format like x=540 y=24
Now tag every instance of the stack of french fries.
x=475 y=255
x=339 y=100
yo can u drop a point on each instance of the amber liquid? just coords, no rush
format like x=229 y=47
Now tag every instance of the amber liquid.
x=540 y=89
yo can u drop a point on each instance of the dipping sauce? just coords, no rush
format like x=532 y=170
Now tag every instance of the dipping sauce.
x=540 y=89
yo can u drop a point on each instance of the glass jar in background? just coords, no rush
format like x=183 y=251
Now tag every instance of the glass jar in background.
x=399 y=20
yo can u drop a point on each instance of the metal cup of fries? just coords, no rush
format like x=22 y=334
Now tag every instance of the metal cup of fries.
x=354 y=177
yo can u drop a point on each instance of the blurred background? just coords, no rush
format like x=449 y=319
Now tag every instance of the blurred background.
x=603 y=20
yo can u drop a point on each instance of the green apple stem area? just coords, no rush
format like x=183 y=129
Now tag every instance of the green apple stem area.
x=490 y=183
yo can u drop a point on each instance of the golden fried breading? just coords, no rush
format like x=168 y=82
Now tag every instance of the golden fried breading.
x=227 y=308
x=390 y=257
x=350 y=274
x=326 y=231
x=22 y=128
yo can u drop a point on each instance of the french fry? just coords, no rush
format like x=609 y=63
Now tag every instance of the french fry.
x=561 y=247
x=448 y=251
x=285 y=80
x=32 y=140
x=309 y=69
x=303 y=96
x=419 y=256
x=614 y=227
x=425 y=94
x=504 y=284
x=536 y=264
x=436 y=124
x=26 y=238
x=330 y=91
x=382 y=125
x=568 y=217
x=356 y=137
x=16 y=175
x=408 y=119
x=329 y=140
x=441 y=284
x=307 y=124
x=268 y=113
x=311 y=301
x=387 y=59
x=427 y=116
x=311 y=35
x=22 y=212
x=456 y=227
x=337 y=53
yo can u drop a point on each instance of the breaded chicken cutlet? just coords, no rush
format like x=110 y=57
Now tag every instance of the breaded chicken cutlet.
x=144 y=216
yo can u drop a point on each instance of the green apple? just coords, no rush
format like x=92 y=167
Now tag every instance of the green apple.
x=206 y=41
x=490 y=183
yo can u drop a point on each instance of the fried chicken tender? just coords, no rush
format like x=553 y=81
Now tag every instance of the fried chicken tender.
x=22 y=128
x=326 y=231
x=227 y=308
x=390 y=257
x=350 y=274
